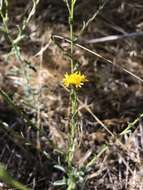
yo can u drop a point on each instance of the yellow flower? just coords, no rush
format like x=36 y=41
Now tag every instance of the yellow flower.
x=76 y=79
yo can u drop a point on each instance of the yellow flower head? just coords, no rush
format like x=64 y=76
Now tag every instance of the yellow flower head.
x=76 y=79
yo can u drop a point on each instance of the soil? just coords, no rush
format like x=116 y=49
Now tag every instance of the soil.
x=107 y=103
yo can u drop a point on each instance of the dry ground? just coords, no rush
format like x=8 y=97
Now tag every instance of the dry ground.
x=112 y=95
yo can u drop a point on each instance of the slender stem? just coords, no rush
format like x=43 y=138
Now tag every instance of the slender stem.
x=71 y=21
x=73 y=99
x=73 y=126
x=73 y=93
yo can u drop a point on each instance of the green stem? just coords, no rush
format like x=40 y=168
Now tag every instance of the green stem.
x=71 y=186
x=71 y=21
x=4 y=175
x=73 y=93
x=74 y=111
x=73 y=127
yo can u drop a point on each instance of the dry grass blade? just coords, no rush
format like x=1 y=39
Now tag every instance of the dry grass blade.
x=98 y=56
x=118 y=142
x=95 y=117
x=85 y=158
x=113 y=38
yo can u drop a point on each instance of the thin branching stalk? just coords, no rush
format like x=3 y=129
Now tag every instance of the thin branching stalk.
x=5 y=18
x=14 y=42
x=32 y=12
x=92 y=18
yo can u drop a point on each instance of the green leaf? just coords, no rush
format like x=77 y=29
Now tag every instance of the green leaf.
x=60 y=182
x=61 y=168
x=4 y=175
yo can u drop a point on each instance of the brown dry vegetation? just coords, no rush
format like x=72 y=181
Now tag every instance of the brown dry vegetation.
x=112 y=95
